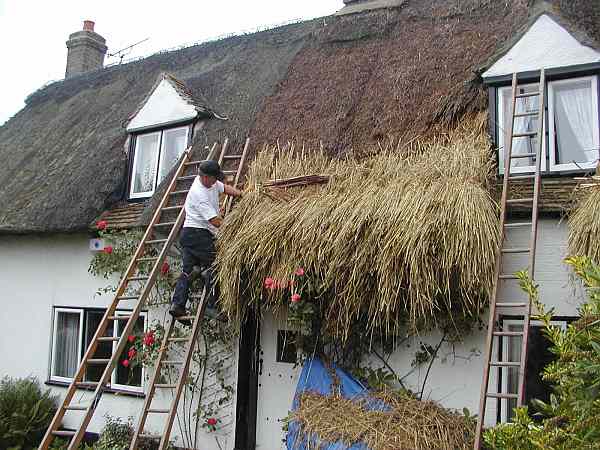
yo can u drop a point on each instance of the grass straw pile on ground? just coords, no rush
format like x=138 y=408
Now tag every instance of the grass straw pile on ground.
x=408 y=424
x=405 y=237
x=584 y=225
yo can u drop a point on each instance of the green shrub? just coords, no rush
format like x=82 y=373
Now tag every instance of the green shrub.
x=25 y=413
x=571 y=420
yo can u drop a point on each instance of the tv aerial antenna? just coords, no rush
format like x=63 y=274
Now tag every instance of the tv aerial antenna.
x=125 y=51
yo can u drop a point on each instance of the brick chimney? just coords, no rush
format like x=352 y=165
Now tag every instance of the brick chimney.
x=86 y=50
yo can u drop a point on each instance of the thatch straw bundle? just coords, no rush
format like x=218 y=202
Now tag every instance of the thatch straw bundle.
x=407 y=236
x=584 y=225
x=409 y=424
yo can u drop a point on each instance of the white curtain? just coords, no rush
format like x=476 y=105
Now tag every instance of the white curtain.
x=66 y=346
x=174 y=142
x=525 y=124
x=145 y=162
x=574 y=121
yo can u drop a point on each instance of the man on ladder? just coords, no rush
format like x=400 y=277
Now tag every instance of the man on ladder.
x=202 y=220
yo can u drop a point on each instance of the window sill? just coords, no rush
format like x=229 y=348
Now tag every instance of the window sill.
x=108 y=390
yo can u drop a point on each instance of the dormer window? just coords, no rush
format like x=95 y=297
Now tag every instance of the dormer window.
x=571 y=142
x=155 y=154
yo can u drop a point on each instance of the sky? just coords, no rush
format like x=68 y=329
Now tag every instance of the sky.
x=33 y=33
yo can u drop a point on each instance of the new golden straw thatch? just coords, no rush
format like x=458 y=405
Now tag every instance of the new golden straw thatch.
x=405 y=237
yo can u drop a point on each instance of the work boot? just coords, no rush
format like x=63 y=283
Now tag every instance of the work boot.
x=178 y=311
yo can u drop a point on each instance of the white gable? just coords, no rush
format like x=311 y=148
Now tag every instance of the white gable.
x=165 y=106
x=545 y=45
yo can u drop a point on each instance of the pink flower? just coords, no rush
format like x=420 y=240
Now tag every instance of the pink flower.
x=269 y=283
x=296 y=298
x=125 y=363
x=131 y=338
x=211 y=421
x=149 y=339
x=131 y=353
x=299 y=272
x=164 y=269
x=108 y=249
x=101 y=224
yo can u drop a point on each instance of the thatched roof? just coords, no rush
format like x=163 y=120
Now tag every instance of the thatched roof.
x=346 y=81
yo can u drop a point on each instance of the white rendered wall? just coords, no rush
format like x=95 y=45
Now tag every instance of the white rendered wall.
x=545 y=45
x=38 y=273
x=456 y=375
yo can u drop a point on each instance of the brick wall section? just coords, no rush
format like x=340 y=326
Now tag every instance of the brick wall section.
x=86 y=50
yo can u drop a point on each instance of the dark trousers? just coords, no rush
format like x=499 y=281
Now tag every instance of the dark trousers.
x=198 y=250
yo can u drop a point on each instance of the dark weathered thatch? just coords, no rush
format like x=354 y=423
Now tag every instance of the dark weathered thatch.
x=346 y=81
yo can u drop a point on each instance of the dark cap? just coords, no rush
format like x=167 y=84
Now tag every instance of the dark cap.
x=212 y=169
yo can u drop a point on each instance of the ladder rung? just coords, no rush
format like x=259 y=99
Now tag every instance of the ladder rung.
x=155 y=241
x=508 y=277
x=187 y=177
x=518 y=224
x=500 y=395
x=86 y=384
x=159 y=411
x=119 y=317
x=76 y=408
x=147 y=259
x=194 y=163
x=521 y=177
x=528 y=114
x=179 y=339
x=64 y=433
x=520 y=200
x=98 y=361
x=172 y=208
x=229 y=172
x=505 y=364
x=523 y=155
x=508 y=333
x=511 y=305
x=186 y=318
x=164 y=224
x=171 y=363
x=166 y=386
x=179 y=192
x=140 y=278
x=128 y=297
x=527 y=94
x=108 y=339
x=233 y=157
x=515 y=250
x=150 y=436
x=526 y=134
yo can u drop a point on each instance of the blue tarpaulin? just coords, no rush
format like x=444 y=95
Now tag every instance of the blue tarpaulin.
x=316 y=378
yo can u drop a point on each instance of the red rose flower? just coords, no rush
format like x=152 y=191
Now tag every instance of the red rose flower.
x=108 y=249
x=299 y=272
x=296 y=298
x=131 y=338
x=269 y=283
x=101 y=225
x=211 y=421
x=125 y=363
x=149 y=338
x=131 y=353
x=164 y=269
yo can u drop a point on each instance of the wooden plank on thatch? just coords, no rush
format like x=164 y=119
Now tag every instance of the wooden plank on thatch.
x=305 y=180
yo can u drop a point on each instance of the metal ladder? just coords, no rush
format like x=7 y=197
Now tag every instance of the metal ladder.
x=157 y=249
x=189 y=343
x=520 y=309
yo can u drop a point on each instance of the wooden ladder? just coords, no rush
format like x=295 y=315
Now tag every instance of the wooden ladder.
x=496 y=333
x=151 y=250
x=188 y=342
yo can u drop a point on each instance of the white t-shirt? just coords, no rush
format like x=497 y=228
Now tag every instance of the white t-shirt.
x=202 y=204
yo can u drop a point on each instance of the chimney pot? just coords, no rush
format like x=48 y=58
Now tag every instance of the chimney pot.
x=88 y=25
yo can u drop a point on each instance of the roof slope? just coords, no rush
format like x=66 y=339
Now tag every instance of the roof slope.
x=344 y=81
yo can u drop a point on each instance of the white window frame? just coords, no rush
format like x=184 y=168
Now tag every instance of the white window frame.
x=82 y=315
x=554 y=167
x=517 y=325
x=55 y=338
x=502 y=134
x=159 y=151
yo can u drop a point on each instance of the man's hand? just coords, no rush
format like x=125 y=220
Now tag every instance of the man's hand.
x=230 y=190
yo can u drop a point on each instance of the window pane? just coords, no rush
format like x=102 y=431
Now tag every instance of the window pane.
x=173 y=145
x=144 y=170
x=127 y=375
x=103 y=350
x=575 y=122
x=522 y=125
x=66 y=345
